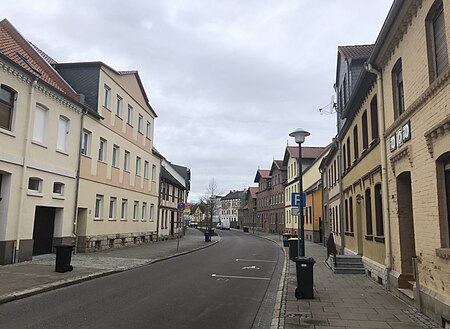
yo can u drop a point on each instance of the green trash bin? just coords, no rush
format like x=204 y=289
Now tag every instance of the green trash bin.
x=293 y=248
x=63 y=258
x=305 y=277
x=286 y=237
x=207 y=236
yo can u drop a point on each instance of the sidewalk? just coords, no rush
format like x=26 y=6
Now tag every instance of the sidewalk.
x=342 y=300
x=29 y=278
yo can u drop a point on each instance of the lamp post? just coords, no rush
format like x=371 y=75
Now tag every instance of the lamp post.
x=300 y=134
x=304 y=265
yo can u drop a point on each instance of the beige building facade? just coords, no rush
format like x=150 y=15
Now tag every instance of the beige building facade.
x=119 y=174
x=411 y=62
x=40 y=124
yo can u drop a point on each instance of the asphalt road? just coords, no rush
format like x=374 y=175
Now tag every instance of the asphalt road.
x=229 y=285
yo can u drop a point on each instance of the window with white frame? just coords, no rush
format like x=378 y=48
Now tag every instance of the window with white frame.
x=115 y=156
x=106 y=96
x=148 y=131
x=124 y=209
x=152 y=209
x=98 y=213
x=86 y=142
x=144 y=210
x=102 y=150
x=126 y=161
x=63 y=133
x=112 y=208
x=35 y=184
x=7 y=97
x=130 y=115
x=138 y=166
x=153 y=173
x=119 y=104
x=136 y=210
x=40 y=124
x=58 y=188
x=146 y=169
x=140 y=122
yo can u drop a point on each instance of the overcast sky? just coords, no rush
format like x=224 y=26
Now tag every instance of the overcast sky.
x=229 y=79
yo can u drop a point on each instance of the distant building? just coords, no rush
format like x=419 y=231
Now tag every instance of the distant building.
x=230 y=205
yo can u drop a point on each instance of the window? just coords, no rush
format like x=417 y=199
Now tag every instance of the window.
x=365 y=132
x=40 y=124
x=355 y=143
x=85 y=142
x=102 y=150
x=58 y=188
x=436 y=41
x=349 y=157
x=152 y=209
x=106 y=96
x=135 y=210
x=35 y=184
x=368 y=201
x=148 y=132
x=98 y=206
x=443 y=177
x=350 y=210
x=346 y=216
x=379 y=211
x=115 y=156
x=146 y=169
x=140 y=122
x=63 y=131
x=112 y=208
x=344 y=157
x=397 y=82
x=124 y=209
x=119 y=103
x=374 y=117
x=153 y=173
x=144 y=210
x=130 y=115
x=138 y=166
x=126 y=161
x=7 y=97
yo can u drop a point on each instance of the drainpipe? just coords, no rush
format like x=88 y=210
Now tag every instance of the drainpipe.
x=384 y=187
x=77 y=184
x=159 y=201
x=23 y=186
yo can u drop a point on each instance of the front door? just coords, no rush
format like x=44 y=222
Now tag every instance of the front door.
x=359 y=225
x=44 y=224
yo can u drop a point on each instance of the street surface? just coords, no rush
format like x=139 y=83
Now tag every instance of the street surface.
x=229 y=285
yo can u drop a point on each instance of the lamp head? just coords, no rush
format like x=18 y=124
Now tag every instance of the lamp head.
x=299 y=134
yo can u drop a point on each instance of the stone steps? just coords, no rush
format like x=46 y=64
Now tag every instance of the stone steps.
x=346 y=264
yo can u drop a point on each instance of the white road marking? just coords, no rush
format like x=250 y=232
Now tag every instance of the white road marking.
x=255 y=260
x=238 y=277
x=253 y=267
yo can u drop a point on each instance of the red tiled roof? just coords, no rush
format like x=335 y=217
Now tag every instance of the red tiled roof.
x=253 y=191
x=356 y=51
x=20 y=51
x=308 y=152
x=264 y=173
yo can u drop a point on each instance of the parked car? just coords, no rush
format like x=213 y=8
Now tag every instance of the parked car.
x=193 y=224
x=224 y=224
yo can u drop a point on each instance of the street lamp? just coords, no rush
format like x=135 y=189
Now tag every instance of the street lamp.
x=300 y=134
x=304 y=265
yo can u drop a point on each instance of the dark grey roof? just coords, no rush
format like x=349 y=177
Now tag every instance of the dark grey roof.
x=233 y=195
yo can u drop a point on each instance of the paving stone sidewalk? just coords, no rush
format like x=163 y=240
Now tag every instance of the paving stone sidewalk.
x=36 y=276
x=342 y=300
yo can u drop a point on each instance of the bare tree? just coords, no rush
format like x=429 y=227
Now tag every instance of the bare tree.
x=212 y=190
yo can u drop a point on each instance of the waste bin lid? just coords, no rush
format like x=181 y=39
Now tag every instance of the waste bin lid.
x=65 y=246
x=304 y=260
x=291 y=239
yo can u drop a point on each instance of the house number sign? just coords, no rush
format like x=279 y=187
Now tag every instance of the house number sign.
x=401 y=136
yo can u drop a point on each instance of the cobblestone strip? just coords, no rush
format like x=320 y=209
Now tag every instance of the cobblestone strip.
x=421 y=319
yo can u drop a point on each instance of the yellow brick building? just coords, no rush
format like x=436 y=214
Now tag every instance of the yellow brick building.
x=410 y=59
